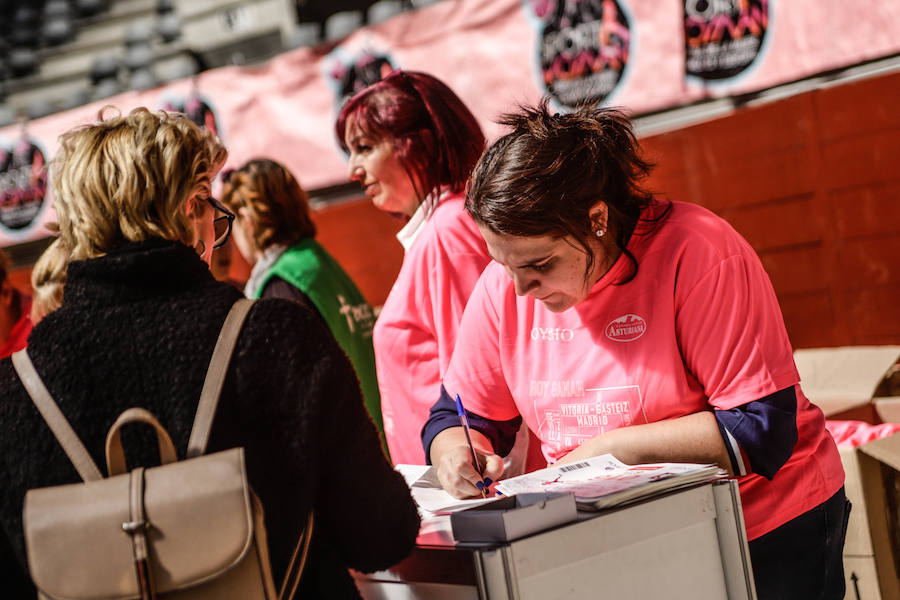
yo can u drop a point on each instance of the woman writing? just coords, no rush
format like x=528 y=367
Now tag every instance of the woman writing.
x=138 y=322
x=612 y=322
x=412 y=144
x=275 y=234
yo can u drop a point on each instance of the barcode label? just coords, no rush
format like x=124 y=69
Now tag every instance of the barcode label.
x=574 y=467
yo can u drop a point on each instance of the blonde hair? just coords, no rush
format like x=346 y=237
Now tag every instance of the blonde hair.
x=127 y=179
x=48 y=277
x=276 y=206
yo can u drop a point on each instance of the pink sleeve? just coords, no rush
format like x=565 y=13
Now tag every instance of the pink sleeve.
x=455 y=257
x=730 y=328
x=476 y=370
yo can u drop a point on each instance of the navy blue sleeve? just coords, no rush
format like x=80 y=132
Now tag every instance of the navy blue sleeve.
x=443 y=415
x=765 y=430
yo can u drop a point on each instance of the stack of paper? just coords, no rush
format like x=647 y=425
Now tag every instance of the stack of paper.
x=426 y=490
x=602 y=481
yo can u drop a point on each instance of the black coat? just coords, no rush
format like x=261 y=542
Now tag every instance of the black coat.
x=137 y=328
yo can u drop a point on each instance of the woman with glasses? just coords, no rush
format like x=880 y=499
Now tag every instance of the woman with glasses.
x=412 y=144
x=222 y=223
x=137 y=325
x=276 y=235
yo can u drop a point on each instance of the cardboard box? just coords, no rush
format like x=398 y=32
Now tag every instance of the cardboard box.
x=852 y=383
x=858 y=541
x=879 y=475
x=861 y=384
x=512 y=517
x=861 y=578
x=888 y=408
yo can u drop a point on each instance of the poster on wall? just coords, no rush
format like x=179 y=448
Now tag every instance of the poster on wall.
x=582 y=48
x=197 y=108
x=350 y=73
x=723 y=38
x=23 y=186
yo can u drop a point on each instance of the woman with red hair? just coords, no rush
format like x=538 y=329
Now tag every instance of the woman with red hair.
x=412 y=144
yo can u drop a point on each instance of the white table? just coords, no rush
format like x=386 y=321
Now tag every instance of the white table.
x=689 y=545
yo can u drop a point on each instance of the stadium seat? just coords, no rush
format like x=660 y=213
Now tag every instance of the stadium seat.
x=57 y=8
x=22 y=62
x=142 y=79
x=106 y=88
x=138 y=56
x=341 y=24
x=75 y=98
x=41 y=108
x=139 y=32
x=304 y=34
x=165 y=6
x=178 y=67
x=169 y=27
x=58 y=30
x=7 y=114
x=105 y=66
x=383 y=10
x=89 y=8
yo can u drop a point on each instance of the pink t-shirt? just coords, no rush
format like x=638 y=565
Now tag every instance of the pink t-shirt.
x=416 y=330
x=699 y=326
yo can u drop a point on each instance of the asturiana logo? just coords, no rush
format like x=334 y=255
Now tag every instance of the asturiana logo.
x=626 y=328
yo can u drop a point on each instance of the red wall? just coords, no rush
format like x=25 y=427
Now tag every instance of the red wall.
x=813 y=183
x=363 y=239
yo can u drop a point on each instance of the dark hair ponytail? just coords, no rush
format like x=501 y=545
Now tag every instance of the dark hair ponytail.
x=544 y=176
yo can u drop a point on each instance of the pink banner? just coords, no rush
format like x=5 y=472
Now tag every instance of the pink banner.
x=642 y=55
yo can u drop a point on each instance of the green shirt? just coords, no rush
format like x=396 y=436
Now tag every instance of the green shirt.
x=307 y=266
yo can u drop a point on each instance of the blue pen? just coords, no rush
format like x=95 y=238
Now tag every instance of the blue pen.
x=464 y=421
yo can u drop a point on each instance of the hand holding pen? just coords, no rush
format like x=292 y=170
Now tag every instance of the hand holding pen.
x=464 y=421
x=464 y=458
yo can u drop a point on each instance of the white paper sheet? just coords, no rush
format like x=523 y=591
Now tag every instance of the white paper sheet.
x=603 y=481
x=426 y=490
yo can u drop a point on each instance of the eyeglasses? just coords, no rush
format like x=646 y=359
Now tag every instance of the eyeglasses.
x=222 y=223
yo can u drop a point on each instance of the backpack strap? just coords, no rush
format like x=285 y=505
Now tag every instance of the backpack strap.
x=297 y=562
x=57 y=422
x=115 y=453
x=215 y=377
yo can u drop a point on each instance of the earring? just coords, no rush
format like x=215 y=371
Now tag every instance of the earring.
x=599 y=233
x=201 y=250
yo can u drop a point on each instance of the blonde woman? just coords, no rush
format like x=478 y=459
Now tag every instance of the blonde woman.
x=275 y=234
x=137 y=325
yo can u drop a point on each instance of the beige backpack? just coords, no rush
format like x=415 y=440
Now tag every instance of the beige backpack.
x=189 y=529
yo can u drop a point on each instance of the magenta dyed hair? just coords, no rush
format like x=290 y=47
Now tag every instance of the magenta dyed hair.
x=436 y=138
